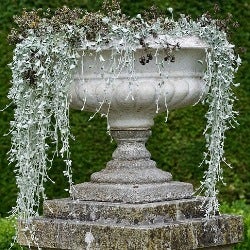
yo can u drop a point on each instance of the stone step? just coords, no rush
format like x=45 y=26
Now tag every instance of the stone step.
x=132 y=193
x=122 y=213
x=182 y=235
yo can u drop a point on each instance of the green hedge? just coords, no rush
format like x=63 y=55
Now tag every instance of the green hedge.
x=176 y=146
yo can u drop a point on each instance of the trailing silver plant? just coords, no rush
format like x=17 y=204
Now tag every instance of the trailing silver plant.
x=43 y=64
x=40 y=98
x=222 y=64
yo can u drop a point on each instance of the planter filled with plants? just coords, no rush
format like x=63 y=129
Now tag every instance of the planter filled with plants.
x=128 y=70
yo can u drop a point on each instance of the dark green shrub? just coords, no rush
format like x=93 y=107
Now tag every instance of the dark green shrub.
x=7 y=232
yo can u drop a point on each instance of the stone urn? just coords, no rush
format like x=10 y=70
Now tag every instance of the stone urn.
x=131 y=105
x=131 y=204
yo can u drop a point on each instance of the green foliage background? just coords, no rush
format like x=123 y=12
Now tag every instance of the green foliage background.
x=176 y=146
x=7 y=232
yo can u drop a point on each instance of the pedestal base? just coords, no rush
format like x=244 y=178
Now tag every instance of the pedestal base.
x=130 y=205
x=207 y=248
x=132 y=193
x=176 y=225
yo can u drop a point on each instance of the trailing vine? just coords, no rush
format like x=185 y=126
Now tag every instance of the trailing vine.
x=46 y=53
x=41 y=76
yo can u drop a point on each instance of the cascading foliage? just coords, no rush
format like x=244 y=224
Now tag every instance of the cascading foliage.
x=42 y=68
x=45 y=56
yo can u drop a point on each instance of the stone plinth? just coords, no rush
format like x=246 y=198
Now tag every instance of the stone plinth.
x=133 y=193
x=131 y=205
x=178 y=224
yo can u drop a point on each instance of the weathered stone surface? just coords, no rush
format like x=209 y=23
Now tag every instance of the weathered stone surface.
x=131 y=172
x=133 y=193
x=228 y=247
x=207 y=248
x=131 y=163
x=131 y=177
x=182 y=234
x=125 y=214
x=177 y=224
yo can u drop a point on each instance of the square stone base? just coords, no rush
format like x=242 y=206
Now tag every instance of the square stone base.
x=209 y=248
x=167 y=225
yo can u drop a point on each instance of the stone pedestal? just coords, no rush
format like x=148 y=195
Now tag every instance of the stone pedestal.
x=178 y=224
x=131 y=205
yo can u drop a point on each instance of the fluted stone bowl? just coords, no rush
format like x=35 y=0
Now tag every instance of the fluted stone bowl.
x=132 y=100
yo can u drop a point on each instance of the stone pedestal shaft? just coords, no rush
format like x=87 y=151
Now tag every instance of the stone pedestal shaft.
x=131 y=176
x=131 y=163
